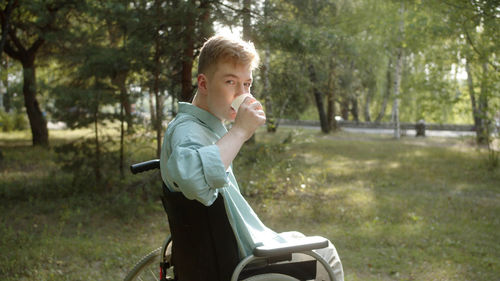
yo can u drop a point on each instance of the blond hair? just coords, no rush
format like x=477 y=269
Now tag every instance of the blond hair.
x=226 y=48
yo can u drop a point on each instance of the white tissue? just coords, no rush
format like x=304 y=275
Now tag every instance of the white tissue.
x=239 y=100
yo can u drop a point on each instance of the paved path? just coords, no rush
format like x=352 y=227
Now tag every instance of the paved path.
x=429 y=133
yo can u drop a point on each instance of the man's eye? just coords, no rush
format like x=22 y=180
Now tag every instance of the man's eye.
x=230 y=82
x=247 y=85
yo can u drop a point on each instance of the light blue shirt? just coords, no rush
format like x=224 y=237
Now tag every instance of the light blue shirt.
x=190 y=162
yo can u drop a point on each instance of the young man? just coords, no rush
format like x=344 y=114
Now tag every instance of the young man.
x=198 y=150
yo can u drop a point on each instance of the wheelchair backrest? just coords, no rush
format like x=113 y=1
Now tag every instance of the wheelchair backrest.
x=204 y=246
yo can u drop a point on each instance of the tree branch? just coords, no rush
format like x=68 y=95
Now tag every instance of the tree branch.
x=481 y=55
x=5 y=19
x=12 y=52
x=15 y=40
x=38 y=43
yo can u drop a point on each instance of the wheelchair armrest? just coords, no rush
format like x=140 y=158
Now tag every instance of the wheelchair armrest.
x=298 y=245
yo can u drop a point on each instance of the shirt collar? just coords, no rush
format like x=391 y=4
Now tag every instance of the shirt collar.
x=204 y=116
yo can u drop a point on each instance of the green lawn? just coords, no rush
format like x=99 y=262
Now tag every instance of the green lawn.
x=414 y=209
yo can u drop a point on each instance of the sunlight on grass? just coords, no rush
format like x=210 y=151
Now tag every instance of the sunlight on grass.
x=407 y=210
x=360 y=199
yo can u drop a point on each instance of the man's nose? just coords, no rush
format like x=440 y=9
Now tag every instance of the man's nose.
x=240 y=89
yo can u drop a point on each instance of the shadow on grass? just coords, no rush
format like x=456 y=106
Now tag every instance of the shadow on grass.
x=400 y=211
x=394 y=211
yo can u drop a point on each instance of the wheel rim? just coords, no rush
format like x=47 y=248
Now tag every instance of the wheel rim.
x=148 y=269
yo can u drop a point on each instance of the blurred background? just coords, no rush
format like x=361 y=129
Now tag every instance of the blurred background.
x=85 y=62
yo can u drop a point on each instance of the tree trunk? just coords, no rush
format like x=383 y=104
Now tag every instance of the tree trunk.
x=387 y=93
x=156 y=84
x=6 y=96
x=5 y=24
x=158 y=125
x=270 y=117
x=355 y=109
x=119 y=80
x=122 y=141
x=174 y=110
x=188 y=55
x=247 y=36
x=330 y=99
x=477 y=107
x=397 y=77
x=152 y=110
x=281 y=111
x=395 y=107
x=330 y=109
x=475 y=112
x=37 y=120
x=344 y=108
x=127 y=106
x=97 y=164
x=483 y=138
x=318 y=97
x=270 y=121
x=206 y=23
x=368 y=101
x=201 y=15
x=247 y=20
x=27 y=55
x=187 y=65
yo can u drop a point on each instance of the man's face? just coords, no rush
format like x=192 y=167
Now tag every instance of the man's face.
x=225 y=84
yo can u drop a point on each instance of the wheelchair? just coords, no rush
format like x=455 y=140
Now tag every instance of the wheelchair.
x=202 y=247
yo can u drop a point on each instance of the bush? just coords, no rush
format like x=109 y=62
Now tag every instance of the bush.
x=263 y=169
x=13 y=121
x=78 y=158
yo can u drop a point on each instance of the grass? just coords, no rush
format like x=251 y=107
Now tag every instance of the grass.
x=414 y=209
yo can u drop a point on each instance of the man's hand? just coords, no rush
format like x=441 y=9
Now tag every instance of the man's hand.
x=250 y=117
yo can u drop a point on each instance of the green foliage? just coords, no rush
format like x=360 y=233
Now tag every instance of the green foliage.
x=271 y=169
x=141 y=47
x=78 y=158
x=80 y=106
x=290 y=91
x=267 y=165
x=13 y=121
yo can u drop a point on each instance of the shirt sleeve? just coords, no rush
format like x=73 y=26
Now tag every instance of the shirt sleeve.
x=195 y=166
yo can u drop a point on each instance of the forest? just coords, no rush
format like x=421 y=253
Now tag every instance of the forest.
x=88 y=62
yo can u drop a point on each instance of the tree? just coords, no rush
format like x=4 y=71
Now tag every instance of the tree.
x=197 y=26
x=34 y=25
x=397 y=74
x=5 y=19
x=81 y=104
x=265 y=69
x=299 y=32
x=95 y=59
x=470 y=30
x=31 y=27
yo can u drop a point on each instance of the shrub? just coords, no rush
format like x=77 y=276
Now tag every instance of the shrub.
x=79 y=159
x=13 y=121
x=263 y=168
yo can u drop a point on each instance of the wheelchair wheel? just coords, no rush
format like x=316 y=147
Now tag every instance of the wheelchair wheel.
x=271 y=277
x=148 y=268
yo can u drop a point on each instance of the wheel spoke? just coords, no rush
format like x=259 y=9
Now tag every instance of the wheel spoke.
x=154 y=275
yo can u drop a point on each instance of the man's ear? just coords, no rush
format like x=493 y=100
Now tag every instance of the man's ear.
x=202 y=84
